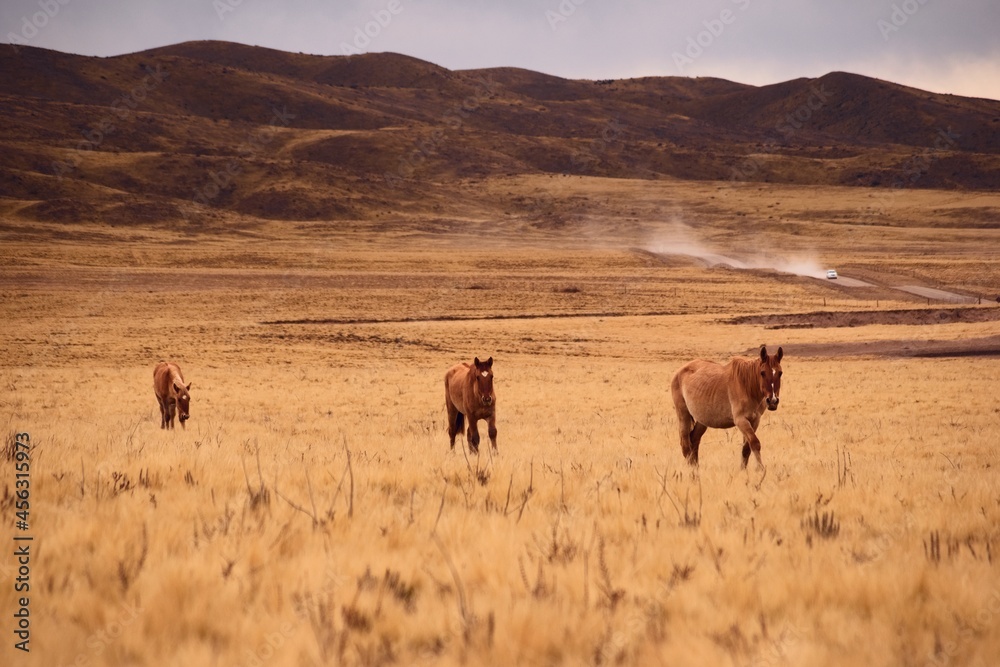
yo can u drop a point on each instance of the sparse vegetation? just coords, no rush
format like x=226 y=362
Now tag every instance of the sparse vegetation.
x=824 y=526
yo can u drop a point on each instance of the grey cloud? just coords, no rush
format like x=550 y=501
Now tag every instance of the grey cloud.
x=763 y=41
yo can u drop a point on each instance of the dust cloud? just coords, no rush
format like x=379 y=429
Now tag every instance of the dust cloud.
x=678 y=238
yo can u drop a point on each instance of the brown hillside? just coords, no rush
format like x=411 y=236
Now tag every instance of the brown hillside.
x=208 y=129
x=369 y=70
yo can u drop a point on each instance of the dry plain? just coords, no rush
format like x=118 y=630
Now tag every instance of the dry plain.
x=312 y=513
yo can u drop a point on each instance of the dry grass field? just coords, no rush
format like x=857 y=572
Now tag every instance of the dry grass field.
x=312 y=513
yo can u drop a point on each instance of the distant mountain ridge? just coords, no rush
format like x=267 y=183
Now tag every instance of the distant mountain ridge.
x=203 y=128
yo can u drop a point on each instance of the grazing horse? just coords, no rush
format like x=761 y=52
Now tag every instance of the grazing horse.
x=171 y=393
x=468 y=394
x=710 y=395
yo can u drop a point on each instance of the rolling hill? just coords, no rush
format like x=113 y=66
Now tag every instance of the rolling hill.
x=208 y=130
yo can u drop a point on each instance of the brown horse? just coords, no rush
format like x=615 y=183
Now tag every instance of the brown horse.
x=171 y=393
x=468 y=394
x=710 y=395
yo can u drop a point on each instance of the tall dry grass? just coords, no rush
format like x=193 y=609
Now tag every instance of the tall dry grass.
x=312 y=513
x=318 y=516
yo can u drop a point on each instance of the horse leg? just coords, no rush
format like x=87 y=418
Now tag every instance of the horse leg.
x=685 y=421
x=492 y=423
x=454 y=422
x=687 y=425
x=473 y=436
x=163 y=413
x=746 y=453
x=696 y=432
x=750 y=438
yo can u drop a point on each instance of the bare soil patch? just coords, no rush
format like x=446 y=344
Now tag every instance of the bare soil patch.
x=988 y=346
x=857 y=318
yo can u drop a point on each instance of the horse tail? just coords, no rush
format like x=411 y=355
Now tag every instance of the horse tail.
x=459 y=422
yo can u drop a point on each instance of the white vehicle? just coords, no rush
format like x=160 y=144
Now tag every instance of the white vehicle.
x=831 y=274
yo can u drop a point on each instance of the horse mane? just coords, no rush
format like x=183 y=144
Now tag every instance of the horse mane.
x=176 y=377
x=470 y=380
x=745 y=371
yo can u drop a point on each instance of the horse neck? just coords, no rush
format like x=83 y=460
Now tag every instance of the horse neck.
x=745 y=372
x=473 y=385
x=175 y=377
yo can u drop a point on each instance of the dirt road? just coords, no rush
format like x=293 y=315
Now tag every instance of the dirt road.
x=936 y=294
x=808 y=270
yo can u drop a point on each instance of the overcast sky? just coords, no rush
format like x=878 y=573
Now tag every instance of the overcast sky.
x=949 y=47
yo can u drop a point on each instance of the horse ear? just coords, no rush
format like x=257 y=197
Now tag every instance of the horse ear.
x=763 y=353
x=489 y=363
x=189 y=383
x=476 y=362
x=778 y=356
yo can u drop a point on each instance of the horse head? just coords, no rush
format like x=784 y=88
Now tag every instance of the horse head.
x=770 y=377
x=183 y=401
x=484 y=381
